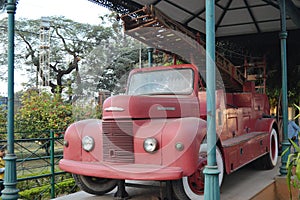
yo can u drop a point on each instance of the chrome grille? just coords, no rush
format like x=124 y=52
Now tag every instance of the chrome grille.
x=117 y=142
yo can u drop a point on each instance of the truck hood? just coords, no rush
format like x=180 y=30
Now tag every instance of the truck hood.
x=154 y=106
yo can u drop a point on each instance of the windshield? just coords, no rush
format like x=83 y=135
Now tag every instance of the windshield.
x=172 y=81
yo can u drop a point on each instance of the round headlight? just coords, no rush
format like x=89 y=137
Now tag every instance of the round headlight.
x=88 y=143
x=150 y=145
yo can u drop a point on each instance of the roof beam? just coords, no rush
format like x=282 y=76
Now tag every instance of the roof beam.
x=247 y=23
x=272 y=3
x=196 y=16
x=156 y=2
x=223 y=14
x=243 y=7
x=180 y=7
x=293 y=12
x=291 y=9
x=252 y=16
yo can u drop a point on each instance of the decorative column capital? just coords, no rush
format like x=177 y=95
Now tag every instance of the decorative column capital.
x=11 y=7
x=283 y=35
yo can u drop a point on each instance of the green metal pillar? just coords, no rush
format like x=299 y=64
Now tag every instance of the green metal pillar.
x=283 y=36
x=211 y=185
x=10 y=179
x=150 y=56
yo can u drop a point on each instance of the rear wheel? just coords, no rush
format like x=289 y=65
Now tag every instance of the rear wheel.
x=272 y=157
x=192 y=187
x=94 y=185
x=269 y=160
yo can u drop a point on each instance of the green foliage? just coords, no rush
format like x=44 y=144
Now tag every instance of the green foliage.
x=298 y=116
x=33 y=170
x=178 y=62
x=293 y=165
x=42 y=111
x=32 y=183
x=273 y=95
x=43 y=192
x=85 y=109
x=3 y=119
x=66 y=187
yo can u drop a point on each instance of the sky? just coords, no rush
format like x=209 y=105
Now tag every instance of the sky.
x=82 y=11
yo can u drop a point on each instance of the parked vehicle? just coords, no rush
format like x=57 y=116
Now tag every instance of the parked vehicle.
x=157 y=132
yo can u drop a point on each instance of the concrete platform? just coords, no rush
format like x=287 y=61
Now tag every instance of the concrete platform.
x=240 y=185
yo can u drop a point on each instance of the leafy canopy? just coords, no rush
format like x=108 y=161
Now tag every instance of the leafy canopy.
x=41 y=112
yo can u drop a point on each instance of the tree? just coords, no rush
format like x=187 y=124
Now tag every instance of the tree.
x=113 y=59
x=101 y=69
x=70 y=41
x=41 y=112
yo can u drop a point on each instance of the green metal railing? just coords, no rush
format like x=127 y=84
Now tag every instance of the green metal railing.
x=38 y=158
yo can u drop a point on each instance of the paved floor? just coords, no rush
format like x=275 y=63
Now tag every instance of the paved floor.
x=240 y=185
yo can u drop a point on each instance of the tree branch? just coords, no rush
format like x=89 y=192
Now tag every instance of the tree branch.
x=64 y=42
x=54 y=67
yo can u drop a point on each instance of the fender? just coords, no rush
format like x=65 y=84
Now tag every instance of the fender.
x=73 y=136
x=266 y=124
x=179 y=143
x=270 y=124
x=188 y=132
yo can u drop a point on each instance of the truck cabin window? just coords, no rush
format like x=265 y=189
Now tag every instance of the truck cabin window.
x=162 y=82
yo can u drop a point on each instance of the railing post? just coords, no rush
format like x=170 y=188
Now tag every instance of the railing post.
x=10 y=177
x=52 y=164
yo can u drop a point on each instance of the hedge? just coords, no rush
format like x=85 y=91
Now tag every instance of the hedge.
x=43 y=192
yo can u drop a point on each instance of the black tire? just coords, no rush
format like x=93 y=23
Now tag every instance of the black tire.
x=185 y=189
x=94 y=185
x=269 y=161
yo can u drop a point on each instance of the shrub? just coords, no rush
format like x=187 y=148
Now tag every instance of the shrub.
x=293 y=164
x=41 y=111
x=43 y=192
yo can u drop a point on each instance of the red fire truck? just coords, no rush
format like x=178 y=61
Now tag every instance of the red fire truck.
x=157 y=132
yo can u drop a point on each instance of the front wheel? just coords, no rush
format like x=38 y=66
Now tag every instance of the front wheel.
x=192 y=187
x=94 y=185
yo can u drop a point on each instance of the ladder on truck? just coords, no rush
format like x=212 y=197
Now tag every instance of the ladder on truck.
x=152 y=27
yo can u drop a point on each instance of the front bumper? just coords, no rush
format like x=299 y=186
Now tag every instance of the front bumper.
x=121 y=171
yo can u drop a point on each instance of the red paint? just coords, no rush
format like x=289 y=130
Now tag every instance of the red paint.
x=243 y=133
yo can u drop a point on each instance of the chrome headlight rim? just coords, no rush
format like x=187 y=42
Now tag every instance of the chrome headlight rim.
x=150 y=145
x=88 y=143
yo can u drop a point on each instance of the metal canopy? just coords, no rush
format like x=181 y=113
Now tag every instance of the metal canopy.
x=233 y=17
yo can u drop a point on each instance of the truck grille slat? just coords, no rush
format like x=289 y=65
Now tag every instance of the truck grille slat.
x=118 y=142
